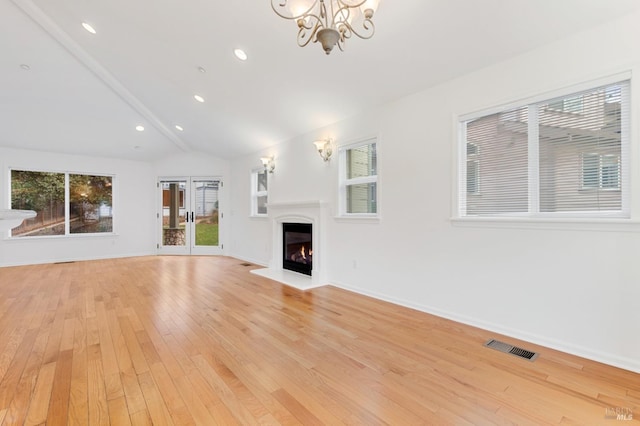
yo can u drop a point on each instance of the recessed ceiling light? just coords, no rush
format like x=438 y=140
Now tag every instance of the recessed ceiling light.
x=198 y=98
x=88 y=28
x=140 y=128
x=240 y=54
x=179 y=127
x=25 y=67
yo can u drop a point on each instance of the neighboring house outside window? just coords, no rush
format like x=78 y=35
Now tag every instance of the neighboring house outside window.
x=359 y=179
x=88 y=208
x=571 y=104
x=600 y=171
x=564 y=157
x=259 y=194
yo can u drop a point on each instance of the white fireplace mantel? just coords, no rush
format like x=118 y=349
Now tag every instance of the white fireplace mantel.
x=313 y=212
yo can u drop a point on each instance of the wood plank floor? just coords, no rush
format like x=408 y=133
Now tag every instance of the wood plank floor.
x=201 y=341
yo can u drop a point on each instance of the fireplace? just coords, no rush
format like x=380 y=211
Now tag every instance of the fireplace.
x=297 y=249
x=312 y=215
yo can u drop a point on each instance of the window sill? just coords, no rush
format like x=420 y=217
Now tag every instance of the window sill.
x=357 y=219
x=62 y=237
x=259 y=216
x=581 y=224
x=586 y=189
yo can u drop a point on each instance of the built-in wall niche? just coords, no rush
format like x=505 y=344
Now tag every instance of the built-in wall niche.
x=297 y=247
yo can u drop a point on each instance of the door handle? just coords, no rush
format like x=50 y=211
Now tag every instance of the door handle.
x=191 y=217
x=186 y=217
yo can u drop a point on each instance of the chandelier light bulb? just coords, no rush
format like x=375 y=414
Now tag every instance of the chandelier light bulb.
x=370 y=5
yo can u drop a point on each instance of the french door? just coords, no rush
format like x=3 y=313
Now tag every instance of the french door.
x=189 y=216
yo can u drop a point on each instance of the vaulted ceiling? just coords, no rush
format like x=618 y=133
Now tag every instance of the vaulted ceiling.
x=64 y=89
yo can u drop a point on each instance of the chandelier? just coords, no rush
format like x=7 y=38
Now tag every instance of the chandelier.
x=329 y=22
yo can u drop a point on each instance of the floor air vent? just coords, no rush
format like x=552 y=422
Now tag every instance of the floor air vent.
x=510 y=349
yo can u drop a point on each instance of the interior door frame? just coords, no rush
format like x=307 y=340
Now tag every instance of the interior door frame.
x=189 y=248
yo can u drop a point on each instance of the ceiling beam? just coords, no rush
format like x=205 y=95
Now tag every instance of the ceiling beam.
x=60 y=36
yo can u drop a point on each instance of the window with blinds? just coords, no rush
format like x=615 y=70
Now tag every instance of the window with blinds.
x=259 y=194
x=359 y=179
x=565 y=156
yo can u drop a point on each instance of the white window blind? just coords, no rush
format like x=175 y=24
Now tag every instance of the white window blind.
x=259 y=192
x=565 y=156
x=359 y=179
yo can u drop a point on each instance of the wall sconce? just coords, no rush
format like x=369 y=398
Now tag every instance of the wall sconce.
x=325 y=148
x=268 y=164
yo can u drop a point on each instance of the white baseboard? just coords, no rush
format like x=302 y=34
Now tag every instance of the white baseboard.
x=77 y=259
x=250 y=260
x=581 y=351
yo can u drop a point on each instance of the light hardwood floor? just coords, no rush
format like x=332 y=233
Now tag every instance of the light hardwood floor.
x=200 y=340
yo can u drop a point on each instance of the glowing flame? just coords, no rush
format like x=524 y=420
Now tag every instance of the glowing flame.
x=302 y=255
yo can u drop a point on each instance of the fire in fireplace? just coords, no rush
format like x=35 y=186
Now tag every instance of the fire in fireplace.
x=297 y=250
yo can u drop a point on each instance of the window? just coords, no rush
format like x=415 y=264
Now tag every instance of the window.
x=609 y=172
x=359 y=179
x=538 y=160
x=65 y=203
x=600 y=171
x=259 y=197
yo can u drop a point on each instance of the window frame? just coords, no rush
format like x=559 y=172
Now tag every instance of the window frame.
x=344 y=182
x=67 y=204
x=585 y=220
x=255 y=194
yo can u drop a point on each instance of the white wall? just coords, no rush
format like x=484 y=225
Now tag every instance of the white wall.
x=134 y=210
x=191 y=164
x=577 y=290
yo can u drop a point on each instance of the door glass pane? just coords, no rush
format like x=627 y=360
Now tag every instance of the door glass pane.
x=205 y=194
x=173 y=211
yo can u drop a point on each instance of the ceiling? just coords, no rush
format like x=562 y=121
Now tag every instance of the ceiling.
x=85 y=93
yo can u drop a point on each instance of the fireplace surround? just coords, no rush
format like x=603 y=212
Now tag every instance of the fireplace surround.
x=312 y=213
